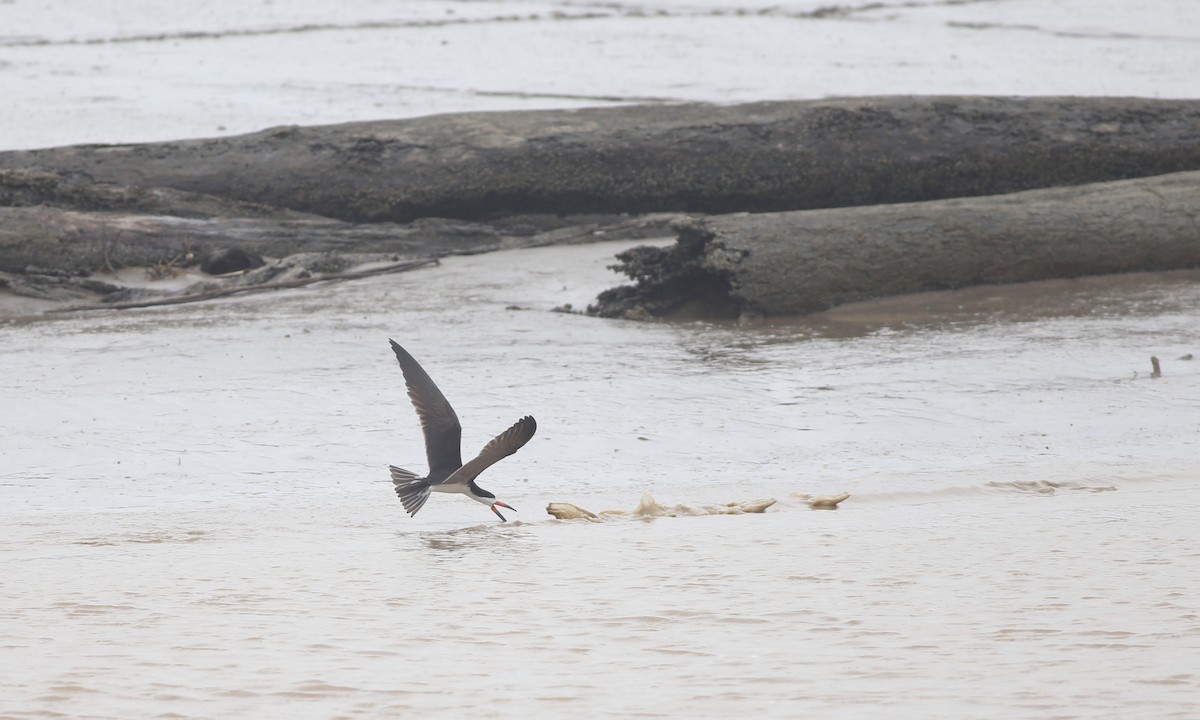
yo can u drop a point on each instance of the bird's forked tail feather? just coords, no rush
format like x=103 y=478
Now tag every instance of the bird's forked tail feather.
x=413 y=490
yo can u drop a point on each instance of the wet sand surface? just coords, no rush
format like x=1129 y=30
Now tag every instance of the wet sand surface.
x=197 y=515
x=199 y=518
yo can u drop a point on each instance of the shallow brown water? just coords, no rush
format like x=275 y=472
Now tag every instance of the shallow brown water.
x=198 y=519
x=195 y=509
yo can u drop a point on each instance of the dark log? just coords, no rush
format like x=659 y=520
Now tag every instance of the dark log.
x=770 y=156
x=802 y=262
x=68 y=223
x=84 y=241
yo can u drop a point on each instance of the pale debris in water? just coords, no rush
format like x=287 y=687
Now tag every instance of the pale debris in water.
x=828 y=502
x=649 y=507
x=567 y=511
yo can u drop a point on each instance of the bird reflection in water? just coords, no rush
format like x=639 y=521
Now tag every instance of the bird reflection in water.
x=479 y=537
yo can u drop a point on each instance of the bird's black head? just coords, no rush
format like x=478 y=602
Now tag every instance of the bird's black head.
x=490 y=500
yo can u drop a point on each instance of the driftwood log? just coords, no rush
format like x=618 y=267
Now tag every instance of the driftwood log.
x=76 y=241
x=760 y=157
x=69 y=223
x=480 y=181
x=802 y=262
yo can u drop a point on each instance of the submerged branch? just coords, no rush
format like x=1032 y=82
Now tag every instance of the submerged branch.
x=257 y=287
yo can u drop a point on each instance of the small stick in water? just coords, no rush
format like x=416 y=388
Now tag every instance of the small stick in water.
x=1157 y=370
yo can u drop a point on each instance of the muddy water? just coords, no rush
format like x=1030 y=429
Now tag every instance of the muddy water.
x=197 y=518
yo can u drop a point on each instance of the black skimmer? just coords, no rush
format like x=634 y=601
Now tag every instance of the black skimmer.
x=443 y=440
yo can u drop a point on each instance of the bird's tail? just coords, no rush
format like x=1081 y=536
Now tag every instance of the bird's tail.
x=413 y=490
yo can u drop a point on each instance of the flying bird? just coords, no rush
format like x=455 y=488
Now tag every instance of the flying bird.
x=443 y=441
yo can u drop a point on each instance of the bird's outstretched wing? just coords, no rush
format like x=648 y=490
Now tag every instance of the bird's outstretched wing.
x=501 y=446
x=443 y=433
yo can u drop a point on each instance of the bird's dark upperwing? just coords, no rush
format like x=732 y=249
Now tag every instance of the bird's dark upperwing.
x=443 y=433
x=501 y=446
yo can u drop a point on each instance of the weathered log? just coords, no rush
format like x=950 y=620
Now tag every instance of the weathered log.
x=82 y=241
x=770 y=156
x=69 y=223
x=801 y=262
x=27 y=187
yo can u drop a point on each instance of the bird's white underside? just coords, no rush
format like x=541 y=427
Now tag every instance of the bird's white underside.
x=462 y=489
